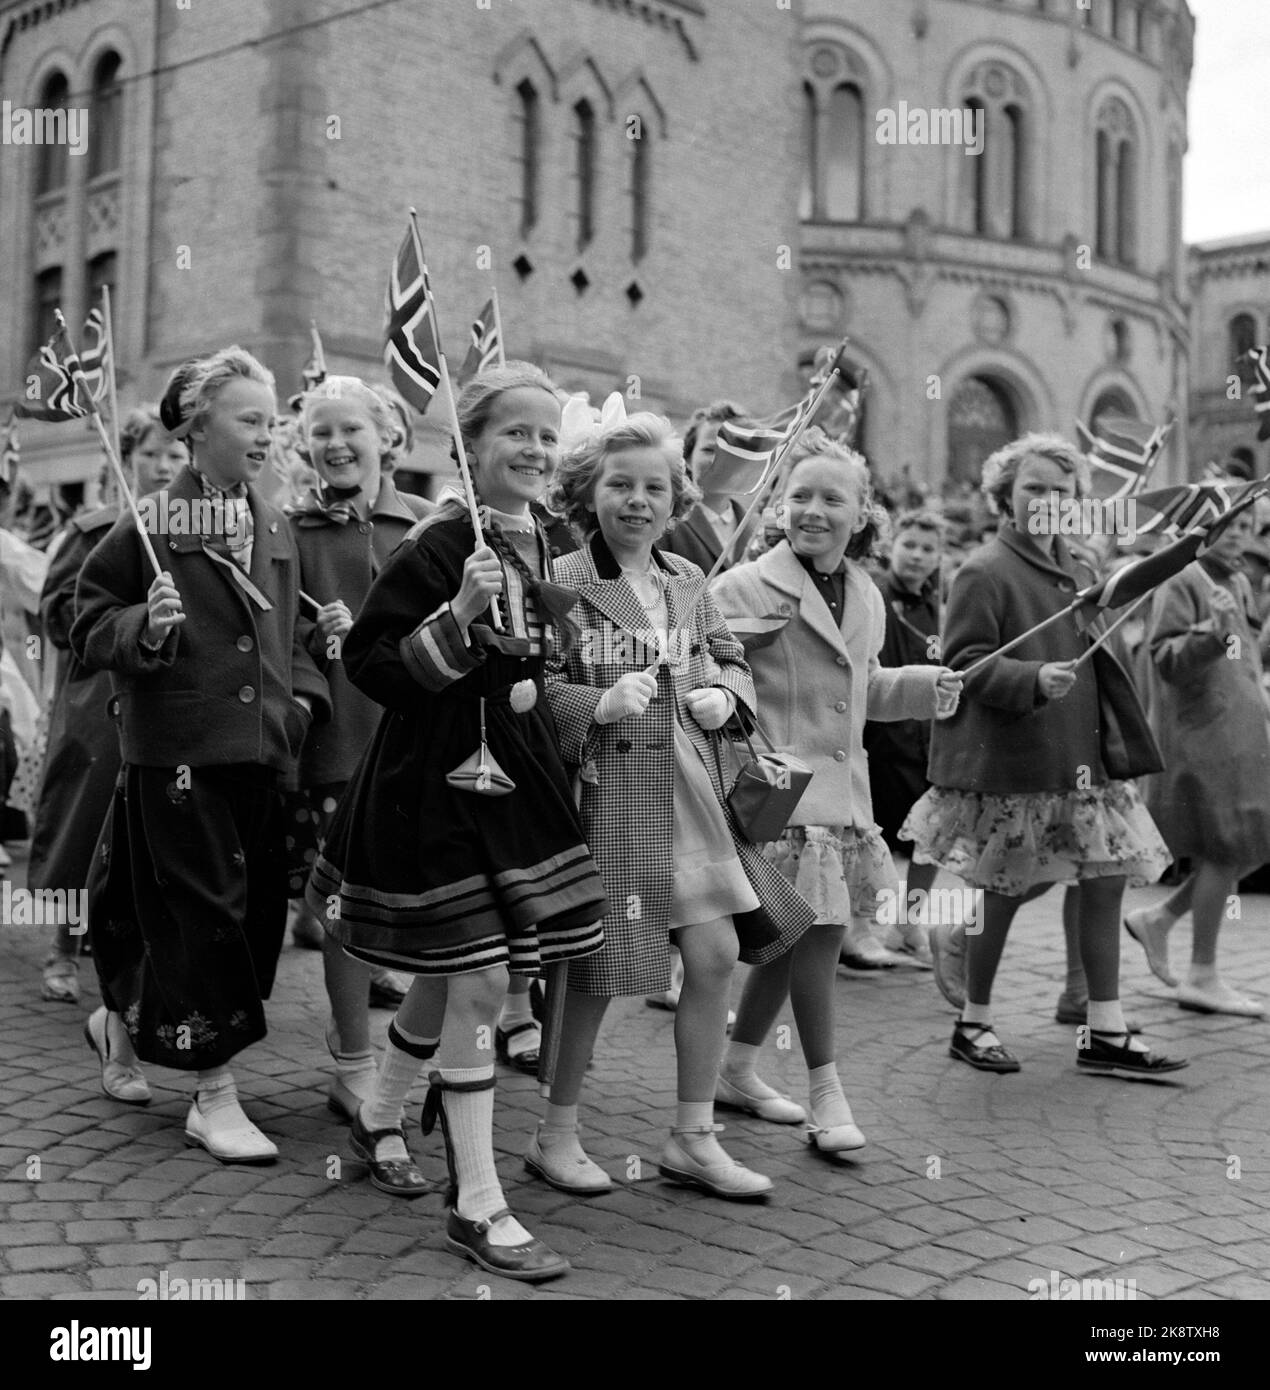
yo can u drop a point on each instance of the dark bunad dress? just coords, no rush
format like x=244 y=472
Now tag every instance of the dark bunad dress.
x=416 y=873
x=187 y=893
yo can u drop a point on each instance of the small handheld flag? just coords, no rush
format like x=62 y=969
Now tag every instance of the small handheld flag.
x=742 y=456
x=412 y=350
x=52 y=391
x=1260 y=359
x=1121 y=455
x=485 y=349
x=1169 y=511
x=313 y=373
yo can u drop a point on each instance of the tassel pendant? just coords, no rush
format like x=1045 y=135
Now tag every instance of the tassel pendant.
x=524 y=696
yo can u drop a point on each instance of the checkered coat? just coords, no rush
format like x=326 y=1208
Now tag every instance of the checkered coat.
x=627 y=787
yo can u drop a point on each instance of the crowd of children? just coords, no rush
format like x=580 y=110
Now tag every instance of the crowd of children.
x=515 y=754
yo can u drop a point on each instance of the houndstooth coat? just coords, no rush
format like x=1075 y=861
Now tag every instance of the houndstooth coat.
x=629 y=766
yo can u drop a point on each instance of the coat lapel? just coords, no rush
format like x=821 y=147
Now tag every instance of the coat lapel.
x=604 y=588
x=780 y=567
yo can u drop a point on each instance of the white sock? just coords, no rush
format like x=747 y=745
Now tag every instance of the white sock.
x=558 y=1133
x=738 y=1067
x=516 y=1009
x=355 y=1069
x=397 y=1073
x=980 y=1013
x=469 y=1117
x=829 y=1106
x=217 y=1090
x=693 y=1114
x=1108 y=1017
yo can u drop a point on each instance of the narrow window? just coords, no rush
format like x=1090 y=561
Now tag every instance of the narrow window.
x=105 y=121
x=585 y=170
x=530 y=137
x=51 y=167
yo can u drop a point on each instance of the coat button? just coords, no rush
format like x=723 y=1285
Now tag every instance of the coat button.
x=244 y=643
x=171 y=545
x=247 y=694
x=841 y=660
x=273 y=530
x=841 y=706
x=784 y=610
x=840 y=756
x=364 y=528
x=624 y=745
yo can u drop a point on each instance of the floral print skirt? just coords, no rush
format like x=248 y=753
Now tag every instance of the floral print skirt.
x=838 y=869
x=1010 y=843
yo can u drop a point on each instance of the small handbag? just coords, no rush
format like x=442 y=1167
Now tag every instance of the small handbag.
x=481 y=773
x=767 y=790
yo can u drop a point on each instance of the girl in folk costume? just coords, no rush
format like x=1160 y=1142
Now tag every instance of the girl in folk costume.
x=82 y=762
x=1030 y=777
x=216 y=689
x=818 y=623
x=451 y=867
x=345 y=532
x=637 y=704
x=1212 y=801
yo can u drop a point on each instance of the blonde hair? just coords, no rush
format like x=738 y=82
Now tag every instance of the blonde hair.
x=573 y=489
x=342 y=388
x=403 y=437
x=477 y=399
x=876 y=531
x=207 y=377
x=1002 y=468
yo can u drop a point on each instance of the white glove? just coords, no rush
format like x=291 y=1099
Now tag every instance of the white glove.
x=626 y=698
x=711 y=706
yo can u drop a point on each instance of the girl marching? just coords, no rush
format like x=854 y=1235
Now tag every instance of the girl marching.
x=637 y=703
x=818 y=678
x=215 y=687
x=457 y=869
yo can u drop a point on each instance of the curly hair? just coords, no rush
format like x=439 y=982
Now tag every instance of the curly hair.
x=872 y=537
x=205 y=378
x=1002 y=468
x=573 y=489
x=137 y=426
x=919 y=519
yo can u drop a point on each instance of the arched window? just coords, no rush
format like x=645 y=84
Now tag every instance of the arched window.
x=530 y=115
x=981 y=418
x=1112 y=402
x=105 y=119
x=584 y=170
x=641 y=174
x=994 y=189
x=834 y=144
x=103 y=271
x=48 y=297
x=51 y=165
x=1116 y=174
x=1241 y=337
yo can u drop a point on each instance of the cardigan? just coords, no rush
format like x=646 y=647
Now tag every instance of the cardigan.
x=221 y=689
x=819 y=680
x=339 y=561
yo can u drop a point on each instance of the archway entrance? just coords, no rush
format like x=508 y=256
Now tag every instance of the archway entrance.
x=981 y=419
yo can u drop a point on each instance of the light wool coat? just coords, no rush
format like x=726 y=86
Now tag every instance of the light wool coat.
x=817 y=681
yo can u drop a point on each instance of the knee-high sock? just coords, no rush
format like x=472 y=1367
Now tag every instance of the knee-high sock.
x=404 y=1056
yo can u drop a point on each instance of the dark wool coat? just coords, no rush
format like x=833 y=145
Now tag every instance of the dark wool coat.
x=82 y=761
x=696 y=539
x=1006 y=737
x=1207 y=706
x=222 y=687
x=339 y=562
x=628 y=789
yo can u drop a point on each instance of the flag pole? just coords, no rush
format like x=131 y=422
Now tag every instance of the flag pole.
x=464 y=471
x=81 y=384
x=319 y=354
x=1022 y=637
x=1128 y=613
x=108 y=316
x=498 y=325
x=778 y=457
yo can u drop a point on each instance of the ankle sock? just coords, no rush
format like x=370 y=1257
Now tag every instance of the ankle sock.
x=559 y=1119
x=217 y=1090
x=1106 y=1016
x=980 y=1013
x=355 y=1069
x=469 y=1118
x=738 y=1067
x=692 y=1114
x=829 y=1106
x=516 y=1009
x=404 y=1056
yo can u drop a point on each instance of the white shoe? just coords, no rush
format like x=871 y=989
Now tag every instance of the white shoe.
x=714 y=1171
x=837 y=1139
x=1217 y=997
x=777 y=1108
x=227 y=1134
x=123 y=1081
x=912 y=949
x=568 y=1171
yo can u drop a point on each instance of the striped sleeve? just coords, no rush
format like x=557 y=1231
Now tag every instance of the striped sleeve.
x=435 y=653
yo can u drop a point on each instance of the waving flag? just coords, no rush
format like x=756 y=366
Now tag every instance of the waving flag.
x=10 y=452
x=1168 y=511
x=94 y=357
x=1121 y=455
x=411 y=348
x=1261 y=387
x=485 y=350
x=313 y=373
x=742 y=456
x=55 y=386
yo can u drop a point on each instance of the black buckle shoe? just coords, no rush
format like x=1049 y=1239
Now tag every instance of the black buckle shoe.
x=399 y=1177
x=1102 y=1057
x=533 y=1262
x=522 y=1061
x=966 y=1049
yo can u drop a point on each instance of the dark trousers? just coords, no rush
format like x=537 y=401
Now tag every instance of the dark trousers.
x=188 y=900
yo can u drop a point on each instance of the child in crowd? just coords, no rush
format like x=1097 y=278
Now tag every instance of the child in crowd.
x=637 y=705
x=456 y=851
x=1023 y=796
x=817 y=681
x=1212 y=801
x=216 y=691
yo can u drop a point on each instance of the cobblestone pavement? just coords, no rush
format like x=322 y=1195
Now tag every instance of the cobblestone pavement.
x=971 y=1186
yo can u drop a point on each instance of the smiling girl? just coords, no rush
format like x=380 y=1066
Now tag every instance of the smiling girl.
x=421 y=870
x=215 y=686
x=640 y=725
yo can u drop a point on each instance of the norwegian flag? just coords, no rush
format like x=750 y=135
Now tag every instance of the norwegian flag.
x=1169 y=511
x=742 y=456
x=1259 y=356
x=485 y=349
x=412 y=350
x=1121 y=455
x=10 y=452
x=94 y=359
x=313 y=373
x=55 y=386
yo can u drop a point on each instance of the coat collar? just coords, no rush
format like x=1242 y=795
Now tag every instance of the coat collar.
x=781 y=568
x=601 y=584
x=268 y=544
x=1064 y=565
x=390 y=503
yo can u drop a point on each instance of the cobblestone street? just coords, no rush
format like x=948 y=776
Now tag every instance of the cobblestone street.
x=971 y=1186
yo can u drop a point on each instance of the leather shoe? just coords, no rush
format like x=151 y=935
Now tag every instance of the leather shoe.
x=1104 y=1057
x=1218 y=998
x=566 y=1172
x=966 y=1048
x=719 y=1174
x=526 y=1059
x=227 y=1134
x=531 y=1261
x=1154 y=940
x=779 y=1110
x=1068 y=1010
x=119 y=1081
x=60 y=981
x=398 y=1177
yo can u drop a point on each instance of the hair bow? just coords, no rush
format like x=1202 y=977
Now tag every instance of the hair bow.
x=581 y=424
